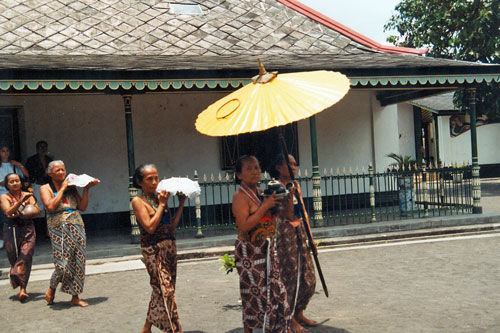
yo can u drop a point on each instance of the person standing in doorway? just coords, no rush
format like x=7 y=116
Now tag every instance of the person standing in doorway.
x=37 y=168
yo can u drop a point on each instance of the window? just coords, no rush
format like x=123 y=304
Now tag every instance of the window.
x=185 y=8
x=264 y=145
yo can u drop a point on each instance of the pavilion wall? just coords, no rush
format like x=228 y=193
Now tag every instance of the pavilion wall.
x=88 y=133
x=458 y=149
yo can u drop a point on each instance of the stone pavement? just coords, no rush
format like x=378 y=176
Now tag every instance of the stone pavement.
x=422 y=285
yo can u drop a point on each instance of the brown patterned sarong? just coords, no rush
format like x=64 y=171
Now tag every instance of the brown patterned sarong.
x=20 y=246
x=161 y=263
x=69 y=244
x=263 y=305
x=295 y=258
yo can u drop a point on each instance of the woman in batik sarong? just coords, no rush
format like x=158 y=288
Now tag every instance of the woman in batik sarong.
x=295 y=258
x=19 y=232
x=63 y=204
x=157 y=228
x=263 y=295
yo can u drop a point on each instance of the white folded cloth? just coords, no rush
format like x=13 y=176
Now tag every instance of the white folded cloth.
x=79 y=180
x=183 y=185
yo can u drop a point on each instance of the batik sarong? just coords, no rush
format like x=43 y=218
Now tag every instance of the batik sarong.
x=263 y=295
x=161 y=263
x=69 y=244
x=295 y=264
x=20 y=246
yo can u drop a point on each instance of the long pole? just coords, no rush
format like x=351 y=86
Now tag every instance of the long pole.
x=312 y=244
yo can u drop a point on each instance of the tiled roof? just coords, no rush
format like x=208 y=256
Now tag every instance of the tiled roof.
x=441 y=102
x=143 y=34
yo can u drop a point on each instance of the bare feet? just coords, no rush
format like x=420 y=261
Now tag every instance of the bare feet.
x=147 y=327
x=78 y=302
x=22 y=296
x=49 y=296
x=296 y=327
x=302 y=319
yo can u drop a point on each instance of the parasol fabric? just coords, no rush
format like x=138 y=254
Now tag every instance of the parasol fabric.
x=284 y=99
x=183 y=185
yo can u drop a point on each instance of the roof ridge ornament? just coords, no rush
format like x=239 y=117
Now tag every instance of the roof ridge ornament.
x=264 y=76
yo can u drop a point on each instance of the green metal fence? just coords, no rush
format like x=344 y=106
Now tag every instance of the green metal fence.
x=348 y=197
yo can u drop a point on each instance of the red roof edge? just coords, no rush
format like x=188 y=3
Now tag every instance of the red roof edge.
x=355 y=36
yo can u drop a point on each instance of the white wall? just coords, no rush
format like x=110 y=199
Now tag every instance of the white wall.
x=406 y=130
x=344 y=134
x=88 y=133
x=458 y=149
x=386 y=133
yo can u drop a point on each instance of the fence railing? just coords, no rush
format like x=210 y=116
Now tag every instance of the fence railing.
x=348 y=197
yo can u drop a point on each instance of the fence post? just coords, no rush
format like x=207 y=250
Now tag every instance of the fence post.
x=197 y=203
x=476 y=182
x=372 y=191
x=132 y=191
x=441 y=182
x=425 y=189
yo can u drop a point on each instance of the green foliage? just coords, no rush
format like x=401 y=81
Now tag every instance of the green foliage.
x=318 y=244
x=454 y=29
x=228 y=263
x=402 y=161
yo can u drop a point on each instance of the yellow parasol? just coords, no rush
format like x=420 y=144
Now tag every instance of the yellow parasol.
x=272 y=100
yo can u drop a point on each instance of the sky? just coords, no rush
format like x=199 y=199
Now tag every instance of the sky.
x=366 y=17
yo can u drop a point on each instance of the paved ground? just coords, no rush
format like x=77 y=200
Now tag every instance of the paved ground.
x=426 y=285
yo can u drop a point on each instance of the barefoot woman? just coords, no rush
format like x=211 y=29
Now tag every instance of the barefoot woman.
x=19 y=233
x=296 y=263
x=158 y=248
x=262 y=292
x=67 y=232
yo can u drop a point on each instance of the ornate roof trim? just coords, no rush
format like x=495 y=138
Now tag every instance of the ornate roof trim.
x=162 y=85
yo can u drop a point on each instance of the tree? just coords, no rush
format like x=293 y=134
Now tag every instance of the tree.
x=454 y=29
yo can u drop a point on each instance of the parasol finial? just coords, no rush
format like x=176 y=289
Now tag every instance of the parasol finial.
x=262 y=70
x=264 y=76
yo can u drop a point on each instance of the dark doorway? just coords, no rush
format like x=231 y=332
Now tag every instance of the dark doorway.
x=9 y=131
x=265 y=145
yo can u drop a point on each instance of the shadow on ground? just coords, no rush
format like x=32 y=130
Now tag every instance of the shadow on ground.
x=235 y=307
x=490 y=189
x=321 y=328
x=33 y=297
x=64 y=305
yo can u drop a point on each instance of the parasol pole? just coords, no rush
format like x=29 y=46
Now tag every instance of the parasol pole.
x=304 y=215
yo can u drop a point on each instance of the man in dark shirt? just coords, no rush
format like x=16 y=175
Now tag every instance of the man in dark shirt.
x=37 y=164
x=37 y=168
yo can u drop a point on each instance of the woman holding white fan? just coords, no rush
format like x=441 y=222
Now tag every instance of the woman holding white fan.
x=157 y=227
x=63 y=204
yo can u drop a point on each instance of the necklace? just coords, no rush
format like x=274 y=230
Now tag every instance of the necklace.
x=14 y=197
x=251 y=194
